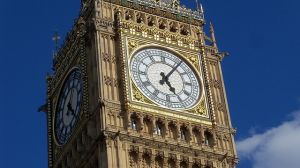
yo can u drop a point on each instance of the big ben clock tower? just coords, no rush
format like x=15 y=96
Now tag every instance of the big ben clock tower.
x=138 y=84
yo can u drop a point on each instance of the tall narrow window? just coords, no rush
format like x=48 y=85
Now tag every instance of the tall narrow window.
x=158 y=129
x=133 y=123
x=159 y=161
x=183 y=164
x=208 y=139
x=183 y=134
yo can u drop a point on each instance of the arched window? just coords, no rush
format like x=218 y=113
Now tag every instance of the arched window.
x=134 y=123
x=172 y=163
x=133 y=158
x=208 y=139
x=158 y=130
x=184 y=135
x=159 y=161
x=183 y=164
x=195 y=165
x=147 y=159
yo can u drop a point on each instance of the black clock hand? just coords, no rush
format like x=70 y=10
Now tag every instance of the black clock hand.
x=71 y=96
x=172 y=89
x=180 y=100
x=165 y=78
x=170 y=73
x=70 y=108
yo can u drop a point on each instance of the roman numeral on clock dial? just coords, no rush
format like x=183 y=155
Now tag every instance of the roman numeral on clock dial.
x=156 y=92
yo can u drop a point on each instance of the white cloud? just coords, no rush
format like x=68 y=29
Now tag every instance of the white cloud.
x=278 y=147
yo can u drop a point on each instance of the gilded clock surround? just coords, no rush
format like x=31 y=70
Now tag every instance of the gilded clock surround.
x=118 y=126
x=133 y=46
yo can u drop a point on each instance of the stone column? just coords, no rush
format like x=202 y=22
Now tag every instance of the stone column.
x=178 y=131
x=153 y=120
x=129 y=121
x=191 y=136
x=166 y=129
x=141 y=123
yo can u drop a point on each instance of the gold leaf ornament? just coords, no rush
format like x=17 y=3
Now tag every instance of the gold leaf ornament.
x=132 y=45
x=138 y=96
x=201 y=109
x=193 y=59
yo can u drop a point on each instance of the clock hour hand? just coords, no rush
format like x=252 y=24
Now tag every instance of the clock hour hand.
x=70 y=109
x=166 y=79
x=172 y=89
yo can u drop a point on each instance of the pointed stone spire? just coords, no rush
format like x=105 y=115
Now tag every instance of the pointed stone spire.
x=212 y=35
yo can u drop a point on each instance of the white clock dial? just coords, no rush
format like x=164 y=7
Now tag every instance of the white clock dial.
x=68 y=107
x=165 y=78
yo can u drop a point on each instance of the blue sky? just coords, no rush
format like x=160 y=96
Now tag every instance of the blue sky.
x=261 y=76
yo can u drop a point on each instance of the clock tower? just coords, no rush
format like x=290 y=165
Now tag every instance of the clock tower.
x=138 y=84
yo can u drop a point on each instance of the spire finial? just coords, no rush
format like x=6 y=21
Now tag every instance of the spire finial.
x=199 y=9
x=211 y=27
x=56 y=38
x=212 y=35
x=197 y=6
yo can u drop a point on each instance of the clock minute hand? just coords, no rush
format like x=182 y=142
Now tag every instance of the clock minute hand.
x=170 y=73
x=165 y=78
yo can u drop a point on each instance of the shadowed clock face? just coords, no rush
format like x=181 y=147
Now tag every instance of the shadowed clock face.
x=165 y=78
x=68 y=107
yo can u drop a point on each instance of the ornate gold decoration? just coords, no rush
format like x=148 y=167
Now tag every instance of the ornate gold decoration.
x=193 y=59
x=132 y=45
x=200 y=109
x=138 y=96
x=159 y=34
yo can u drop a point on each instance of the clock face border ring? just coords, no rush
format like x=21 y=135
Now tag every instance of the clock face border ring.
x=60 y=92
x=177 y=54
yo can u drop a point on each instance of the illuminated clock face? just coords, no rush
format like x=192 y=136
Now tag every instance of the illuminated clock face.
x=68 y=107
x=165 y=78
